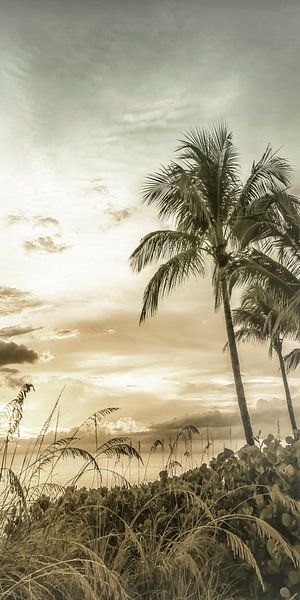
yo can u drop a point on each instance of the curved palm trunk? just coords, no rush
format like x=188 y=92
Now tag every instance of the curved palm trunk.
x=287 y=393
x=236 y=368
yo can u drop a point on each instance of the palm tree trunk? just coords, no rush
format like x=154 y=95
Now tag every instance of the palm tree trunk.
x=236 y=368
x=287 y=393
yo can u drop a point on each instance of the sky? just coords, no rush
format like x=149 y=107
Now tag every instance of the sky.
x=95 y=96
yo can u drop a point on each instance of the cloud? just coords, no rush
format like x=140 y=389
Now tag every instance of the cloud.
x=45 y=221
x=97 y=185
x=36 y=221
x=61 y=334
x=159 y=114
x=13 y=300
x=45 y=244
x=46 y=356
x=11 y=353
x=168 y=330
x=115 y=216
x=266 y=415
x=118 y=215
x=212 y=418
x=16 y=219
x=12 y=378
x=123 y=425
x=16 y=330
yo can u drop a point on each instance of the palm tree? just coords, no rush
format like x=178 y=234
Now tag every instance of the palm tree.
x=256 y=318
x=203 y=197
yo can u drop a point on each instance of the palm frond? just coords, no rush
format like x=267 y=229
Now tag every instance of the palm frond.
x=174 y=272
x=180 y=194
x=212 y=148
x=249 y=334
x=285 y=243
x=273 y=223
x=258 y=318
x=290 y=313
x=292 y=360
x=257 y=267
x=216 y=159
x=270 y=172
x=161 y=245
x=256 y=221
x=164 y=189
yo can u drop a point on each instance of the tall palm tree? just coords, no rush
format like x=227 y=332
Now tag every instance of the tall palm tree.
x=256 y=318
x=203 y=198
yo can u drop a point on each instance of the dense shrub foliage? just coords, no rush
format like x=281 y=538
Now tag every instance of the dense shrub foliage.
x=265 y=481
x=203 y=535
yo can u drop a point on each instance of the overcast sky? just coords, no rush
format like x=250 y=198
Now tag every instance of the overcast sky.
x=94 y=96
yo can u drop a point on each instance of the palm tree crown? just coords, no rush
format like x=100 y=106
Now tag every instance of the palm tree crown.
x=257 y=319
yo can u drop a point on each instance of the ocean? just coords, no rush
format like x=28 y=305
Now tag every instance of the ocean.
x=122 y=471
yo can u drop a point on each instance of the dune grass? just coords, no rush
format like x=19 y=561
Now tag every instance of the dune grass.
x=160 y=541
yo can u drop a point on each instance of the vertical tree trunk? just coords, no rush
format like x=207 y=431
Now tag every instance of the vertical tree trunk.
x=236 y=368
x=287 y=393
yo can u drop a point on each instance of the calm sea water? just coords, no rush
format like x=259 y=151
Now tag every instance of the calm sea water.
x=133 y=471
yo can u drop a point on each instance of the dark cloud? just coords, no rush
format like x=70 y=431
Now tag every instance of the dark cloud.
x=12 y=378
x=13 y=300
x=11 y=353
x=266 y=416
x=45 y=244
x=16 y=330
x=213 y=418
